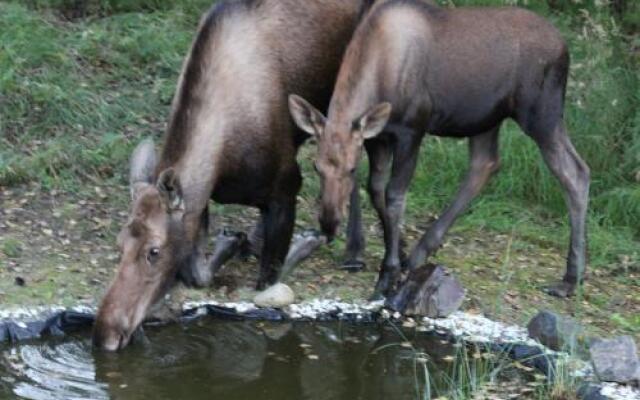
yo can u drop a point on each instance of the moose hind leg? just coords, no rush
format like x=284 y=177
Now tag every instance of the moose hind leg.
x=483 y=163
x=253 y=245
x=573 y=174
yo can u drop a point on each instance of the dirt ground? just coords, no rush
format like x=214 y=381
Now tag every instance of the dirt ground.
x=58 y=248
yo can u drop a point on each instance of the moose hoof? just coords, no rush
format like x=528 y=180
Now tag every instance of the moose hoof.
x=377 y=296
x=406 y=265
x=261 y=285
x=385 y=287
x=561 y=290
x=430 y=291
x=267 y=280
x=353 y=265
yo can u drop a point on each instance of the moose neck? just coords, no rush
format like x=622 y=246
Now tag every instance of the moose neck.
x=357 y=88
x=195 y=132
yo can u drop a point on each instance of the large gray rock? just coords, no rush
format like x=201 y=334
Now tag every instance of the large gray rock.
x=429 y=291
x=555 y=331
x=276 y=296
x=616 y=360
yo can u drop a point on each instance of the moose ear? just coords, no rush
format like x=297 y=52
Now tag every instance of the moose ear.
x=137 y=228
x=306 y=116
x=170 y=190
x=372 y=122
x=143 y=162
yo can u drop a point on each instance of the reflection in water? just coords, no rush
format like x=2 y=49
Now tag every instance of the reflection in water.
x=63 y=371
x=227 y=360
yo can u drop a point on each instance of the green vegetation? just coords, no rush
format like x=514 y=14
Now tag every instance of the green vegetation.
x=11 y=247
x=82 y=82
x=476 y=371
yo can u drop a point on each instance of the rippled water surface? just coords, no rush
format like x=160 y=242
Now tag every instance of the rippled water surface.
x=226 y=360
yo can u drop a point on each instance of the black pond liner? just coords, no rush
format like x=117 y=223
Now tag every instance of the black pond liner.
x=68 y=321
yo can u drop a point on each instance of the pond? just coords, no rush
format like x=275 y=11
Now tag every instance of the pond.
x=230 y=360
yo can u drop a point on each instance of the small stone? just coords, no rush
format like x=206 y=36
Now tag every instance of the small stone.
x=276 y=296
x=554 y=331
x=616 y=360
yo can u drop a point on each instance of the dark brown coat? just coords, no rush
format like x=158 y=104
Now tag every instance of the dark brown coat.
x=230 y=139
x=459 y=72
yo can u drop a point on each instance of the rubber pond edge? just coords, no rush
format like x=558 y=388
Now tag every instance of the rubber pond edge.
x=19 y=325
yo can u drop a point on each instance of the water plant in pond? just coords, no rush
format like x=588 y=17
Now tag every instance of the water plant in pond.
x=467 y=372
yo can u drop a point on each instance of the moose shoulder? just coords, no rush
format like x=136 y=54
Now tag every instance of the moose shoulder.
x=450 y=72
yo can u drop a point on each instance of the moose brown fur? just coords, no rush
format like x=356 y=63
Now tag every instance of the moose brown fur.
x=230 y=138
x=412 y=68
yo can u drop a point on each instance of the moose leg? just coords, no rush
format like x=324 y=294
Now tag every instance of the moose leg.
x=573 y=174
x=278 y=219
x=483 y=163
x=253 y=245
x=355 y=239
x=379 y=154
x=197 y=272
x=404 y=164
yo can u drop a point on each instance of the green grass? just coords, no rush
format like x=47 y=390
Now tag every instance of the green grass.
x=11 y=247
x=475 y=371
x=80 y=86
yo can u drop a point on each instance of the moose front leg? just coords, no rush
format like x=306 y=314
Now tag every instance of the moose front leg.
x=483 y=163
x=405 y=157
x=196 y=271
x=278 y=220
x=355 y=239
x=200 y=268
x=228 y=245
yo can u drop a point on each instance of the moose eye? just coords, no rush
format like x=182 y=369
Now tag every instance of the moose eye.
x=153 y=254
x=352 y=171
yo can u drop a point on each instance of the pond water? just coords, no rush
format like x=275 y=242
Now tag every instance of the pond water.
x=209 y=358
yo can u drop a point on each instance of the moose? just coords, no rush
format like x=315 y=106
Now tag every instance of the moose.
x=412 y=67
x=230 y=138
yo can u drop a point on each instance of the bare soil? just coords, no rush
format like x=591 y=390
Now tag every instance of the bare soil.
x=58 y=248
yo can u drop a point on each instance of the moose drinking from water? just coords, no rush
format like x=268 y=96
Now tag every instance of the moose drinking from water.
x=413 y=68
x=230 y=138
